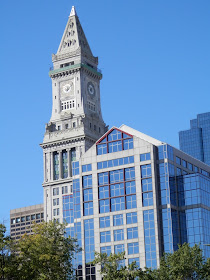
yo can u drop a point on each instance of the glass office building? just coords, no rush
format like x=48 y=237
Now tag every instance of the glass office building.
x=133 y=193
x=196 y=140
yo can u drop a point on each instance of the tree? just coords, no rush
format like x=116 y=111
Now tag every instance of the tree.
x=185 y=263
x=46 y=254
x=111 y=268
x=4 y=251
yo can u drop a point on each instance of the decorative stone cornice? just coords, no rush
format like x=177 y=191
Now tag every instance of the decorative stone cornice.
x=68 y=70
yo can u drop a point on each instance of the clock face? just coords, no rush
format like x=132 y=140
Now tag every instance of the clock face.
x=67 y=88
x=91 y=89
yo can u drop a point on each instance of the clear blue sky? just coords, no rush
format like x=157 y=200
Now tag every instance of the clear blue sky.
x=155 y=58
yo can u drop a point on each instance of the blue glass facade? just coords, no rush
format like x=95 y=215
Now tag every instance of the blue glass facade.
x=184 y=193
x=144 y=200
x=196 y=140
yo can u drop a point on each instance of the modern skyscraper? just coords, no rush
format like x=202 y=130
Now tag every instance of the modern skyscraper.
x=117 y=190
x=22 y=219
x=196 y=140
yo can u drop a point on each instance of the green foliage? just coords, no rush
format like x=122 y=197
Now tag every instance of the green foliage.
x=110 y=267
x=4 y=251
x=46 y=254
x=187 y=263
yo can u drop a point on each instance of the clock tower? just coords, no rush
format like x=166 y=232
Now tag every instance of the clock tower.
x=76 y=121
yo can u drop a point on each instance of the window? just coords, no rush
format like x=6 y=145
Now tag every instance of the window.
x=66 y=126
x=117 y=190
x=38 y=216
x=131 y=218
x=28 y=218
x=132 y=233
x=178 y=160
x=55 y=201
x=184 y=163
x=74 y=124
x=146 y=185
x=178 y=171
x=64 y=164
x=136 y=260
x=116 y=176
x=105 y=236
x=86 y=167
x=64 y=189
x=144 y=157
x=114 y=141
x=118 y=220
x=88 y=195
x=73 y=154
x=147 y=199
x=190 y=166
x=59 y=127
x=33 y=217
x=104 y=192
x=106 y=249
x=119 y=248
x=130 y=187
x=118 y=234
x=55 y=191
x=115 y=162
x=133 y=248
x=104 y=206
x=131 y=201
x=104 y=222
x=118 y=204
x=23 y=219
x=146 y=171
x=56 y=165
x=129 y=174
x=66 y=105
x=12 y=221
x=196 y=169
x=103 y=178
x=91 y=106
x=56 y=212
x=87 y=181
x=147 y=194
x=88 y=208
x=75 y=168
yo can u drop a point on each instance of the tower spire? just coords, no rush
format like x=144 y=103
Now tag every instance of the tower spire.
x=74 y=37
x=73 y=12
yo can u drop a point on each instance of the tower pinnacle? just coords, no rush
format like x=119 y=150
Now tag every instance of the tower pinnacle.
x=74 y=37
x=73 y=11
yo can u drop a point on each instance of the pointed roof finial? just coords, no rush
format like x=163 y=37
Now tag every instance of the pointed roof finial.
x=73 y=12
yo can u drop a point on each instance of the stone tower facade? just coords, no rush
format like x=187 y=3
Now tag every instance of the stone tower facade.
x=76 y=121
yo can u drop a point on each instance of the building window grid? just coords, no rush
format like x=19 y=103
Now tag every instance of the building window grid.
x=65 y=164
x=66 y=105
x=145 y=156
x=121 y=200
x=115 y=141
x=118 y=234
x=147 y=192
x=87 y=195
x=115 y=162
x=132 y=233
